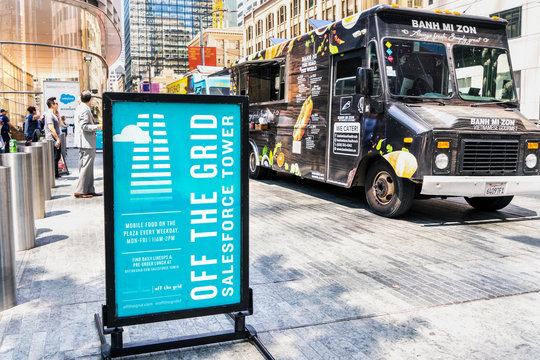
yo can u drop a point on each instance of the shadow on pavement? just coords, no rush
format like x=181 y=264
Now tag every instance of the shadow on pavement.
x=62 y=185
x=528 y=240
x=56 y=213
x=42 y=231
x=437 y=212
x=59 y=196
x=428 y=212
x=50 y=239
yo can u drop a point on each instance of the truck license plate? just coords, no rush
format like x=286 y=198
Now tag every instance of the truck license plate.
x=497 y=189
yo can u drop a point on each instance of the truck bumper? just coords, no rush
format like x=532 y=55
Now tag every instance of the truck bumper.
x=480 y=185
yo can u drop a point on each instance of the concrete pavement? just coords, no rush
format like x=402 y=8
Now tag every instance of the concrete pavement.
x=330 y=280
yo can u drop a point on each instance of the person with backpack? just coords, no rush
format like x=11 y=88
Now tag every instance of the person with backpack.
x=31 y=125
x=4 y=129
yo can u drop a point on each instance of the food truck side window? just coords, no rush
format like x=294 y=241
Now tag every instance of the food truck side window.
x=374 y=65
x=345 y=70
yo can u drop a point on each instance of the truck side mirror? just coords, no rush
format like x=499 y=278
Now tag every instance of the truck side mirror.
x=364 y=81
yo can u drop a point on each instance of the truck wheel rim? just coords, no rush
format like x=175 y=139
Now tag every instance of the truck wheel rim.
x=383 y=187
x=252 y=162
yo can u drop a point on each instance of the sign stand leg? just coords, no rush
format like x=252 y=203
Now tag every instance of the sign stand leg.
x=117 y=348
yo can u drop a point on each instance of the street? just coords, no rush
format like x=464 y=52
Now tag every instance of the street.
x=331 y=280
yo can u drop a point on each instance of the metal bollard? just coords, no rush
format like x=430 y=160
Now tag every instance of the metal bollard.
x=38 y=189
x=51 y=147
x=7 y=255
x=21 y=198
x=46 y=167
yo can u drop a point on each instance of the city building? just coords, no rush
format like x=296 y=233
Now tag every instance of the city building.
x=286 y=19
x=52 y=41
x=115 y=74
x=156 y=35
x=224 y=14
x=228 y=44
x=523 y=33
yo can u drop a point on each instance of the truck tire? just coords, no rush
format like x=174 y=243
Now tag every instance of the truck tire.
x=489 y=203
x=256 y=172
x=386 y=193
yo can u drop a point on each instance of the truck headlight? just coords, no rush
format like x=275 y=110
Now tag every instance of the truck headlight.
x=530 y=161
x=441 y=161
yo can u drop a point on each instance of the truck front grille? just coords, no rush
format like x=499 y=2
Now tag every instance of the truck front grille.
x=489 y=157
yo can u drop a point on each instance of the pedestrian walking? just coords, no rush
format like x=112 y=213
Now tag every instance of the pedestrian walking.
x=52 y=130
x=32 y=126
x=63 y=124
x=4 y=130
x=85 y=140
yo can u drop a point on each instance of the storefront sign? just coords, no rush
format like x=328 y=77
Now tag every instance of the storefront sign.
x=176 y=206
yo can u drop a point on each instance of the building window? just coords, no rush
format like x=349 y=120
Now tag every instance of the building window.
x=269 y=22
x=513 y=16
x=415 y=3
x=309 y=4
x=295 y=7
x=282 y=15
x=259 y=27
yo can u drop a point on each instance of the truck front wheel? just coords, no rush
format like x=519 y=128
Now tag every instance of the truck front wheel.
x=489 y=203
x=386 y=193
x=256 y=172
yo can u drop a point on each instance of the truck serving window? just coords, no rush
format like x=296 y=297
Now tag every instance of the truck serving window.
x=417 y=68
x=483 y=74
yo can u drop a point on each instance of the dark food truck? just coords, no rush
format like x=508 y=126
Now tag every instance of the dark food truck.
x=403 y=102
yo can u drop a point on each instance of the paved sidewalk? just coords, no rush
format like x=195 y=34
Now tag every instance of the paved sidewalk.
x=330 y=279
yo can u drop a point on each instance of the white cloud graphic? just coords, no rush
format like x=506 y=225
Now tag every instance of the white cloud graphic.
x=132 y=133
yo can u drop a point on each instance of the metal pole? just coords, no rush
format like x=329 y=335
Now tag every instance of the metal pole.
x=46 y=166
x=150 y=74
x=38 y=189
x=51 y=158
x=7 y=255
x=201 y=38
x=88 y=75
x=21 y=209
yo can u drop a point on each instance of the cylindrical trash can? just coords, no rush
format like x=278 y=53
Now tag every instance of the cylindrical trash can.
x=7 y=255
x=51 y=153
x=45 y=153
x=22 y=210
x=38 y=188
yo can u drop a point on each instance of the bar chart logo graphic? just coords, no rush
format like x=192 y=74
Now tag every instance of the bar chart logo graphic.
x=151 y=160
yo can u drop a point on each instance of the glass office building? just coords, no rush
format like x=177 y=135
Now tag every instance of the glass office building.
x=157 y=33
x=48 y=41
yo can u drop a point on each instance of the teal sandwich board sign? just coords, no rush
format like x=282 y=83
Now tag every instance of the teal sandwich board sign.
x=176 y=207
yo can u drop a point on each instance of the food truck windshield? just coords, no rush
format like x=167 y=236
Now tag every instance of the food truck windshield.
x=420 y=69
x=445 y=57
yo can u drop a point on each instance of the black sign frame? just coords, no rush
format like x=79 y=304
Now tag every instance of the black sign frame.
x=110 y=316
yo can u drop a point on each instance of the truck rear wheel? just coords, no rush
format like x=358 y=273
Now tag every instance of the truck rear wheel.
x=489 y=203
x=386 y=193
x=255 y=171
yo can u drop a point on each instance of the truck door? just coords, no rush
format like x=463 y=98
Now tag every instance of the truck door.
x=345 y=115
